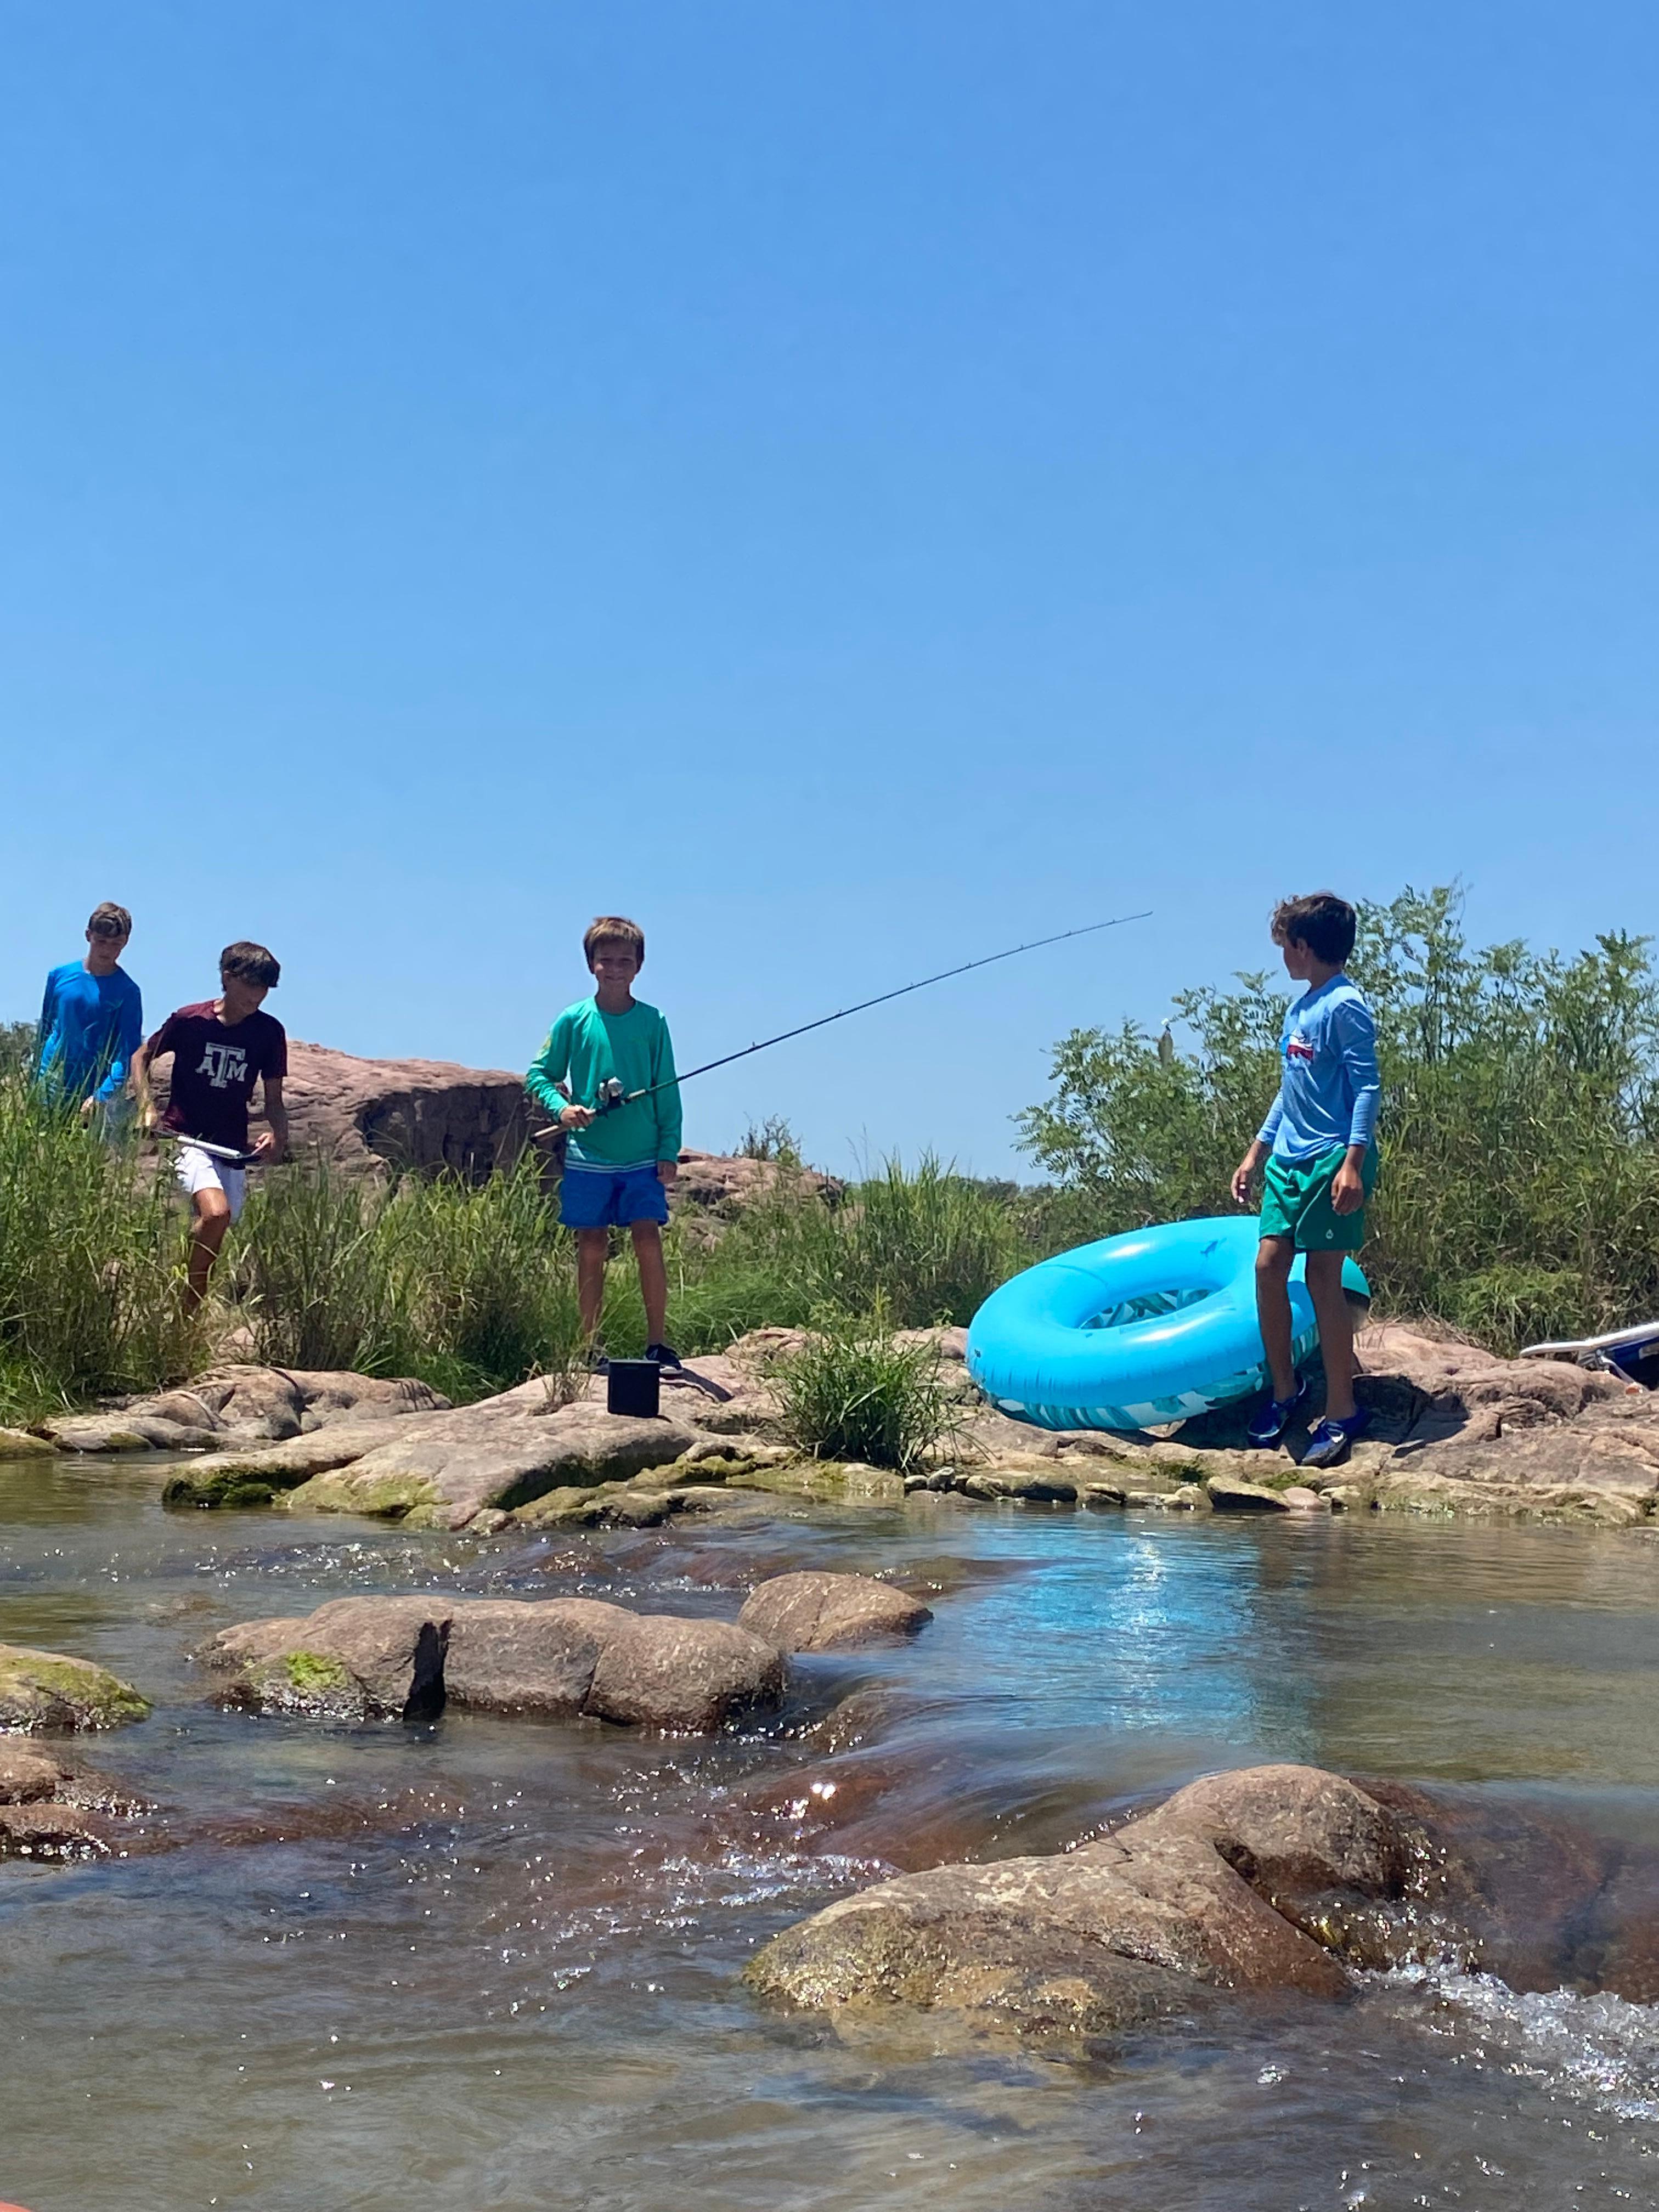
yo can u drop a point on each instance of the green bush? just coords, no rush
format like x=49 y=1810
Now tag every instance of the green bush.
x=851 y=1392
x=1519 y=1186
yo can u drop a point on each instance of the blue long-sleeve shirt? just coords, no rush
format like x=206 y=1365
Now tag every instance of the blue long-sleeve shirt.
x=1332 y=1086
x=90 y=1027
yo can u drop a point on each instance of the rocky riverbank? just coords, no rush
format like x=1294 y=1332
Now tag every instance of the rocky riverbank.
x=1455 y=1429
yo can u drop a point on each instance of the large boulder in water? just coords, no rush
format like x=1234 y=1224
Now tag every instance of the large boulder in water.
x=1267 y=1880
x=46 y=1689
x=829 y=1612
x=358 y=1658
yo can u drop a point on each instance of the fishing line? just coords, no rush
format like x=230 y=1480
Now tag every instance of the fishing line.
x=617 y=1097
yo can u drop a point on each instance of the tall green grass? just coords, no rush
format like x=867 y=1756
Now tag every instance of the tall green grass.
x=852 y=1392
x=471 y=1288
x=89 y=1248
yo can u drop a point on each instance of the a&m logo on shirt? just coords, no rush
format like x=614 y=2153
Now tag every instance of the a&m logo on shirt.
x=1298 y=1046
x=225 y=1065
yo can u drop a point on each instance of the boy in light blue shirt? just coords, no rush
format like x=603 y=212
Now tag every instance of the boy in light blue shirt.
x=92 y=1022
x=1318 y=1144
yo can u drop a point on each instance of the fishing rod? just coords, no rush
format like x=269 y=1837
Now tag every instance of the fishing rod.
x=611 y=1094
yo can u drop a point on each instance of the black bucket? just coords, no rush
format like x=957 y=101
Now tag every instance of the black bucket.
x=631 y=1386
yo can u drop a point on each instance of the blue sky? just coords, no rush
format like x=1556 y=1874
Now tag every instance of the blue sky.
x=854 y=486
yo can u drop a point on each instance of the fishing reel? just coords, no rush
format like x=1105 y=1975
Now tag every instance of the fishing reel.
x=609 y=1096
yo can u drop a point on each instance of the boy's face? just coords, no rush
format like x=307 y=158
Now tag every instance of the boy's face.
x=613 y=966
x=1300 y=960
x=241 y=998
x=104 y=950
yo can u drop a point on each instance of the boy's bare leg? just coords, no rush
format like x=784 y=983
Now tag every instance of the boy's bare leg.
x=592 y=1245
x=653 y=1277
x=1335 y=1332
x=1274 y=1257
x=210 y=1220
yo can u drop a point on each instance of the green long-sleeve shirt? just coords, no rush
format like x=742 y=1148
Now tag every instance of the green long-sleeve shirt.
x=584 y=1047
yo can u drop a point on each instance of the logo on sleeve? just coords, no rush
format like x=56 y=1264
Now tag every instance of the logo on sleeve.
x=224 y=1066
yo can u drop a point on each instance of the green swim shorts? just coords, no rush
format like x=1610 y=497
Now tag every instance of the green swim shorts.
x=1296 y=1202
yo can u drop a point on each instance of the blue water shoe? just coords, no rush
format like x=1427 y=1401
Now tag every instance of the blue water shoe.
x=1328 y=1444
x=1270 y=1421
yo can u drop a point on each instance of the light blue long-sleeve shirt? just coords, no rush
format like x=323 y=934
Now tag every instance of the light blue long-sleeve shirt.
x=1332 y=1086
x=90 y=1027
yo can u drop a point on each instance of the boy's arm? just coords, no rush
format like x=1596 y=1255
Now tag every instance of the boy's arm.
x=127 y=1038
x=667 y=1104
x=152 y=1049
x=273 y=1144
x=1357 y=1038
x=546 y=1074
x=1257 y=1152
x=1357 y=1033
x=48 y=1016
x=549 y=1069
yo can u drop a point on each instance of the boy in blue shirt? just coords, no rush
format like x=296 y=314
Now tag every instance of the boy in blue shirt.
x=92 y=1021
x=622 y=1162
x=1318 y=1144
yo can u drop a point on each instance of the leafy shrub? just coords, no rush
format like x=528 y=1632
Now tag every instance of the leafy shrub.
x=852 y=1392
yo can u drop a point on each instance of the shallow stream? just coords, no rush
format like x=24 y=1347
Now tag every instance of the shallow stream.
x=496 y=1963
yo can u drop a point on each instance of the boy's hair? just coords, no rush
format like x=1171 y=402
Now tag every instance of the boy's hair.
x=252 y=963
x=1321 y=922
x=109 y=920
x=613 y=929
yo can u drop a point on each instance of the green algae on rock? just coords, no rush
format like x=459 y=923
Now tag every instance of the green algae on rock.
x=45 y=1690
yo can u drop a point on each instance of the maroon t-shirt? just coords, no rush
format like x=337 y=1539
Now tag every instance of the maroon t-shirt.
x=214 y=1069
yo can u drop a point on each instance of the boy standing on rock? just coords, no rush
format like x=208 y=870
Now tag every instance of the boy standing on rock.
x=91 y=1021
x=220 y=1048
x=611 y=1056
x=1318 y=1144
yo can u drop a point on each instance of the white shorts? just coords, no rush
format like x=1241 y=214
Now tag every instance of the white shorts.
x=199 y=1170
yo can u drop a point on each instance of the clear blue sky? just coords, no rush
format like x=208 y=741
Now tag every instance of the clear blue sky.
x=852 y=485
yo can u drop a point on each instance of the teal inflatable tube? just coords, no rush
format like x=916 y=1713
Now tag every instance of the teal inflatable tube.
x=1135 y=1330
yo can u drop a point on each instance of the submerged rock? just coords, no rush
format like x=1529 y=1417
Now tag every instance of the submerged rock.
x=1271 y=1879
x=46 y=1690
x=359 y=1658
x=829 y=1612
x=51 y=1810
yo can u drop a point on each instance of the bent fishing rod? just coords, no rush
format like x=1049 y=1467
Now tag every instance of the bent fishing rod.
x=611 y=1094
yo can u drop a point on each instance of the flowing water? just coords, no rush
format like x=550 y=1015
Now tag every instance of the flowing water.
x=496 y=1963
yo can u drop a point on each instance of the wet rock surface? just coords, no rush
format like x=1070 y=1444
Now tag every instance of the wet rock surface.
x=812 y=1612
x=1276 y=1877
x=368 y=1658
x=48 y=1690
x=49 y=1809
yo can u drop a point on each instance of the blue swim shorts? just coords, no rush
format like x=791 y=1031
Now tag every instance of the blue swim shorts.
x=610 y=1198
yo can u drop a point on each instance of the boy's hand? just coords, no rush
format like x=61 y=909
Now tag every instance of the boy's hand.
x=667 y=1173
x=1347 y=1191
x=1242 y=1174
x=575 y=1117
x=266 y=1148
x=89 y=1108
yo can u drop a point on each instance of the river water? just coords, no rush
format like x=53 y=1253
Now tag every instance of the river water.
x=495 y=1964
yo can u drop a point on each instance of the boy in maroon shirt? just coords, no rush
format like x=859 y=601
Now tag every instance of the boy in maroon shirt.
x=219 y=1048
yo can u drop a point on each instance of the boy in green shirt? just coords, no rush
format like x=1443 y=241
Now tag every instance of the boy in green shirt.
x=622 y=1161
